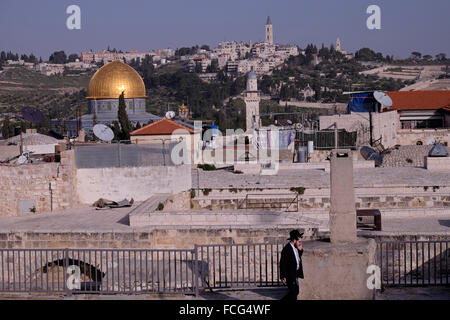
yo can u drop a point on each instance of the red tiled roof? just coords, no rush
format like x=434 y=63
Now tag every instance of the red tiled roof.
x=419 y=100
x=160 y=127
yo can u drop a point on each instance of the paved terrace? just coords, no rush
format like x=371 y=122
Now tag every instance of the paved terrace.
x=373 y=177
x=87 y=219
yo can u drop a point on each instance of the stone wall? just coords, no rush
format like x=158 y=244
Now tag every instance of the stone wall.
x=34 y=188
x=437 y=163
x=318 y=199
x=138 y=183
x=255 y=168
x=413 y=136
x=155 y=238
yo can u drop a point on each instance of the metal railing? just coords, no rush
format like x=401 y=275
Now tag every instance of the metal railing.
x=107 y=271
x=224 y=266
x=282 y=201
x=328 y=139
x=414 y=263
x=239 y=266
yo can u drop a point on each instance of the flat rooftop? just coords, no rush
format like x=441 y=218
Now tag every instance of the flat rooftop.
x=88 y=219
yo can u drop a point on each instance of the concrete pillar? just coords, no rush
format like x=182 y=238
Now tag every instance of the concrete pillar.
x=343 y=212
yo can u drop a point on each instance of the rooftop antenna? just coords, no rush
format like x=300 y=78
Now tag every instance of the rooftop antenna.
x=103 y=132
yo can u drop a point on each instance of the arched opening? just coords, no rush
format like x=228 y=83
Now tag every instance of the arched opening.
x=419 y=143
x=90 y=276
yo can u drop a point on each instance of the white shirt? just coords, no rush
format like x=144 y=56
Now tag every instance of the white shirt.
x=296 y=255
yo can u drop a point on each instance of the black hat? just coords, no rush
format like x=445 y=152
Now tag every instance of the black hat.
x=294 y=235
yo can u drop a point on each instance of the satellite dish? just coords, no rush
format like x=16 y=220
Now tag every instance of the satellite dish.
x=431 y=141
x=103 y=132
x=382 y=98
x=170 y=114
x=32 y=115
x=22 y=159
x=370 y=154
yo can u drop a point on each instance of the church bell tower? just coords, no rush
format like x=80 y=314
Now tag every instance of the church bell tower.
x=269 y=31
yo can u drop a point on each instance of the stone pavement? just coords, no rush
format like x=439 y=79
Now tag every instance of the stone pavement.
x=407 y=156
x=407 y=176
x=406 y=293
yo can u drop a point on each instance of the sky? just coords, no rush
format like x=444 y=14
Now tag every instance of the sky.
x=40 y=26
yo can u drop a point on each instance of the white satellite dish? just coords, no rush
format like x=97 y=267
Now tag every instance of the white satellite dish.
x=103 y=132
x=22 y=159
x=170 y=114
x=382 y=98
x=431 y=141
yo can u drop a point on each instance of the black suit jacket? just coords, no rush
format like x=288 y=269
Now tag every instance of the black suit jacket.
x=288 y=264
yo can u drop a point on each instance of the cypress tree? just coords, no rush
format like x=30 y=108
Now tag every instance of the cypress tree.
x=5 y=128
x=138 y=126
x=125 y=124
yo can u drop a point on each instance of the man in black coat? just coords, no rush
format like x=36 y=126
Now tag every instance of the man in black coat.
x=291 y=264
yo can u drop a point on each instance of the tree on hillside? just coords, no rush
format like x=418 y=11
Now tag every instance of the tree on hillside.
x=366 y=54
x=73 y=57
x=5 y=128
x=441 y=56
x=125 y=125
x=416 y=55
x=58 y=57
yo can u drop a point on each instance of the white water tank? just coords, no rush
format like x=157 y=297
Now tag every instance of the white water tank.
x=310 y=146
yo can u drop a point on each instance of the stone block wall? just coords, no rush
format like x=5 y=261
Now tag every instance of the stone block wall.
x=138 y=183
x=155 y=238
x=318 y=199
x=437 y=163
x=412 y=137
x=49 y=185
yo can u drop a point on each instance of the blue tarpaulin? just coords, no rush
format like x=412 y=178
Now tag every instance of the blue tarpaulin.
x=362 y=102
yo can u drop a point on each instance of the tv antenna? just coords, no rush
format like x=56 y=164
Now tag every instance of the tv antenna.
x=103 y=132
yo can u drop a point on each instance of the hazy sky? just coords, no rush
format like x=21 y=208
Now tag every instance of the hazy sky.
x=40 y=26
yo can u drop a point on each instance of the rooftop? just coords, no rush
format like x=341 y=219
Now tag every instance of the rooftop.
x=163 y=126
x=420 y=100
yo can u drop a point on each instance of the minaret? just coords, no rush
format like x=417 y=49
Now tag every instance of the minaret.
x=269 y=31
x=338 y=45
x=252 y=102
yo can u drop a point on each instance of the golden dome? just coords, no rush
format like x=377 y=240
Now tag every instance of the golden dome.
x=183 y=108
x=110 y=80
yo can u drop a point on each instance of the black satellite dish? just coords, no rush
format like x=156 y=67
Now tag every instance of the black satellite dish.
x=32 y=115
x=370 y=154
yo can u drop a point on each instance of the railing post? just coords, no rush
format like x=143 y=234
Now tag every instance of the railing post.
x=65 y=267
x=195 y=267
